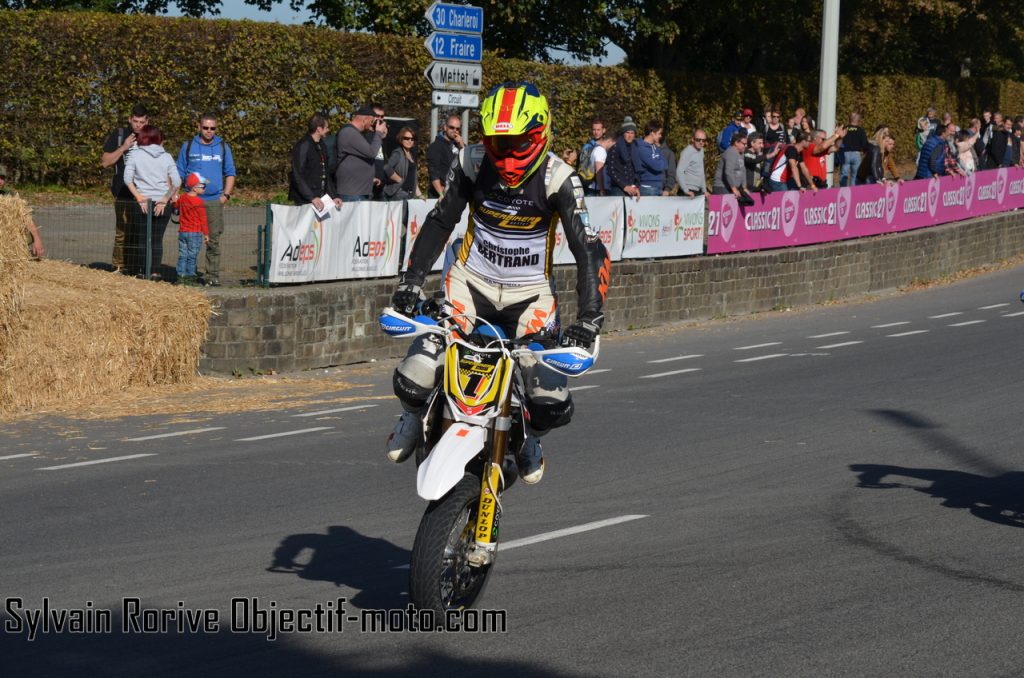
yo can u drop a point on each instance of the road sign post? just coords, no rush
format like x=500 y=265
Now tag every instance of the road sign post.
x=457 y=47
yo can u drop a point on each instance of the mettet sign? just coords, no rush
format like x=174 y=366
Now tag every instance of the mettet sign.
x=444 y=75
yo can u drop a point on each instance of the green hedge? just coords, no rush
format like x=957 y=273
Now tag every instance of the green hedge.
x=69 y=78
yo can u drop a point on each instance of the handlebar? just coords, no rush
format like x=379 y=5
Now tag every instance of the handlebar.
x=569 y=360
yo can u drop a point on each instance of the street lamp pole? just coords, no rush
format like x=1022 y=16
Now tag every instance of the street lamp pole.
x=829 y=73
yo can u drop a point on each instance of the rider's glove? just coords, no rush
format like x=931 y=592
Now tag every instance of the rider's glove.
x=581 y=333
x=406 y=297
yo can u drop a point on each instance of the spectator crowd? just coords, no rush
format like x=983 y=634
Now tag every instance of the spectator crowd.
x=753 y=153
x=765 y=154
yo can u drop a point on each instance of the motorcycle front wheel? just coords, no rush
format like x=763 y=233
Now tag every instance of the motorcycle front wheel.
x=440 y=577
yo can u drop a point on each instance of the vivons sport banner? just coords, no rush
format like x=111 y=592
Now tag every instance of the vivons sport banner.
x=663 y=227
x=359 y=241
x=418 y=211
x=607 y=216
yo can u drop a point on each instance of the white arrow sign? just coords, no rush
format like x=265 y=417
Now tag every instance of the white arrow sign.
x=456 y=99
x=448 y=75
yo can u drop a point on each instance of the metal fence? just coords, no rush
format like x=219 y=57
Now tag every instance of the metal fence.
x=84 y=234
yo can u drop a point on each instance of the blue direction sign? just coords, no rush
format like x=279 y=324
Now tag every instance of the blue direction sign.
x=451 y=47
x=456 y=18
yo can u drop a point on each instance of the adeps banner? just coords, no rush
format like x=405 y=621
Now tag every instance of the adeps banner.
x=418 y=211
x=361 y=240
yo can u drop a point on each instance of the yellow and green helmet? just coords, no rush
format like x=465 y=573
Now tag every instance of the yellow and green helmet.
x=516 y=128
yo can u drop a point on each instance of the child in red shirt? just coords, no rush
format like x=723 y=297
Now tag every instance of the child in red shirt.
x=194 y=230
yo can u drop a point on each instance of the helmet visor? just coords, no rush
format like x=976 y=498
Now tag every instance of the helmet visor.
x=519 y=146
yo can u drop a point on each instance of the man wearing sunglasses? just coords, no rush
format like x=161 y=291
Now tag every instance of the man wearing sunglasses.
x=440 y=153
x=690 y=171
x=210 y=156
x=503 y=270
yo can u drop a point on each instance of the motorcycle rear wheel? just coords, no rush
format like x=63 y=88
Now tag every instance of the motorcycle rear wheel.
x=440 y=577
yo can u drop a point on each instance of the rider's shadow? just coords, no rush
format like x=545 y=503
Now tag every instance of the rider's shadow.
x=998 y=499
x=376 y=568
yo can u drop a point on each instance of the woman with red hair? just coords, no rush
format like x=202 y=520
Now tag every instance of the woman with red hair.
x=152 y=177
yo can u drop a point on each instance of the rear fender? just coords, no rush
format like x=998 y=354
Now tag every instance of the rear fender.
x=446 y=464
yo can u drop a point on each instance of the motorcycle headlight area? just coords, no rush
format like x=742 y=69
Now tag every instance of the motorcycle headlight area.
x=476 y=379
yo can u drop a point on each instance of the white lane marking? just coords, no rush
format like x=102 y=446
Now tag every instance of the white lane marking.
x=669 y=374
x=747 y=348
x=906 y=334
x=286 y=433
x=678 y=357
x=827 y=335
x=845 y=343
x=583 y=388
x=1013 y=315
x=18 y=456
x=902 y=322
x=967 y=322
x=987 y=308
x=761 y=357
x=337 y=409
x=945 y=315
x=558 y=534
x=607 y=369
x=97 y=461
x=175 y=434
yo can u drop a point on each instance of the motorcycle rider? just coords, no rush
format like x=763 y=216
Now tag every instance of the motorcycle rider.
x=503 y=271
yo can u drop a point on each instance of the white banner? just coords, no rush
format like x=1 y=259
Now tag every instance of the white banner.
x=418 y=211
x=608 y=217
x=359 y=241
x=663 y=227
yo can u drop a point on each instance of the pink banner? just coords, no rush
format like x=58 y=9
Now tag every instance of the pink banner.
x=795 y=218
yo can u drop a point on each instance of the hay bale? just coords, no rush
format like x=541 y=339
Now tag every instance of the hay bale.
x=14 y=217
x=82 y=333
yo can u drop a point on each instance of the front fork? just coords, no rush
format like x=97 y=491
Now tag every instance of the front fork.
x=489 y=509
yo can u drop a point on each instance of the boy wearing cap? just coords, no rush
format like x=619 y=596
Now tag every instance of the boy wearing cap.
x=194 y=229
x=623 y=159
x=736 y=125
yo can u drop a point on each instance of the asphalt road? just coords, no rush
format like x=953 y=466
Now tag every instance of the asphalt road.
x=835 y=491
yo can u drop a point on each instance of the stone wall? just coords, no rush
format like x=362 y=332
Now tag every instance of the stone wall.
x=307 y=326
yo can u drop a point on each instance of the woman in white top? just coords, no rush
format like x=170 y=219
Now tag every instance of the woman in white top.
x=152 y=177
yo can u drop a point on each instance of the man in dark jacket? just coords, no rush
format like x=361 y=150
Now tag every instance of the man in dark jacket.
x=441 y=152
x=1000 y=151
x=309 y=179
x=115 y=151
x=932 y=160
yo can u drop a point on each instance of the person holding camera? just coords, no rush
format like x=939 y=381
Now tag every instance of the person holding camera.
x=358 y=145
